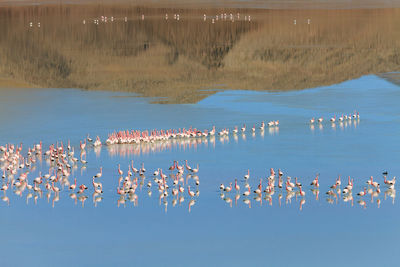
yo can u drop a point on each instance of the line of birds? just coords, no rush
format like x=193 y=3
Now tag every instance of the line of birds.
x=151 y=136
x=176 y=16
x=342 y=118
x=296 y=189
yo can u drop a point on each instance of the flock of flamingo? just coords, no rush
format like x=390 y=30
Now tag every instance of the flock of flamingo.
x=176 y=16
x=162 y=183
x=152 y=136
x=61 y=160
x=342 y=118
x=295 y=189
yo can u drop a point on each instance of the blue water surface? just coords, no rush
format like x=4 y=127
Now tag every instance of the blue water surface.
x=218 y=231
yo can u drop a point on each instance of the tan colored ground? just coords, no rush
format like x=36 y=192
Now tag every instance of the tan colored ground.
x=177 y=60
x=275 y=4
x=12 y=83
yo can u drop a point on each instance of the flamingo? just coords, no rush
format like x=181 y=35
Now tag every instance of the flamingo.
x=82 y=145
x=371 y=182
x=243 y=128
x=346 y=191
x=338 y=182
x=82 y=188
x=175 y=191
x=187 y=166
x=98 y=190
x=228 y=188
x=237 y=187
x=374 y=184
x=312 y=120
x=38 y=180
x=247 y=193
x=302 y=193
x=5 y=187
x=120 y=192
x=191 y=193
x=181 y=189
x=321 y=119
x=390 y=182
x=83 y=161
x=55 y=189
x=280 y=182
x=97 y=142
x=96 y=185
x=362 y=193
x=73 y=186
x=98 y=175
x=142 y=170
x=156 y=172
x=136 y=170
x=222 y=187
x=315 y=181
x=196 y=170
x=120 y=172
x=296 y=183
x=129 y=171
x=247 y=176
x=178 y=167
x=235 y=130
x=173 y=166
x=47 y=186
x=259 y=188
x=289 y=189
x=349 y=185
x=290 y=183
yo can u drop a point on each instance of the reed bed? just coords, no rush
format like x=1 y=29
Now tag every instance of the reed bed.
x=177 y=59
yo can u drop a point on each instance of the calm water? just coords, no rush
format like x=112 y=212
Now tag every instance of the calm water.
x=216 y=231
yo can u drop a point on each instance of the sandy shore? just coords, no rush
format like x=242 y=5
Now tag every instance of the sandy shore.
x=6 y=83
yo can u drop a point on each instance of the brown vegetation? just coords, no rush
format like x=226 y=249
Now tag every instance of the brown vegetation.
x=176 y=59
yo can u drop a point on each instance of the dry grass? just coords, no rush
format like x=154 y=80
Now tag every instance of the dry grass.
x=262 y=4
x=174 y=59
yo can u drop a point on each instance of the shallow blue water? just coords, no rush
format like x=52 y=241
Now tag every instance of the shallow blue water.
x=214 y=232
